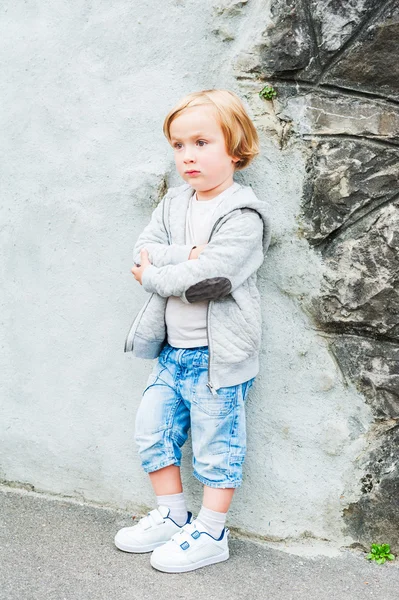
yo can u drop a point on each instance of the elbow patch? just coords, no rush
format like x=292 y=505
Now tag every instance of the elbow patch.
x=209 y=289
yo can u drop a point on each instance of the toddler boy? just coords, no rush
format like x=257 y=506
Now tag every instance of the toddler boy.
x=198 y=258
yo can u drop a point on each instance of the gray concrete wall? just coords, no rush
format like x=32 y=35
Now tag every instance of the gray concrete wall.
x=84 y=163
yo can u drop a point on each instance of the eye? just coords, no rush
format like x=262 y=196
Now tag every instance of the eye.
x=177 y=145
x=201 y=142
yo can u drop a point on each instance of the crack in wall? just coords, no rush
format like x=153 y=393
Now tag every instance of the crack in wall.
x=328 y=87
x=351 y=40
x=312 y=32
x=374 y=206
x=334 y=328
x=385 y=143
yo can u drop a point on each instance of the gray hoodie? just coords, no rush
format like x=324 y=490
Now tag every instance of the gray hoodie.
x=225 y=274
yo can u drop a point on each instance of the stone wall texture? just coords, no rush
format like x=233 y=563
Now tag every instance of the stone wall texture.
x=87 y=86
x=335 y=65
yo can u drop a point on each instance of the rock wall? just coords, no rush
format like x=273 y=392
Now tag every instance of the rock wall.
x=335 y=67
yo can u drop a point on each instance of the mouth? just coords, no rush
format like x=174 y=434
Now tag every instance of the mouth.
x=192 y=172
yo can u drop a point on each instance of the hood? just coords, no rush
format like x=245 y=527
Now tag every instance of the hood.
x=237 y=196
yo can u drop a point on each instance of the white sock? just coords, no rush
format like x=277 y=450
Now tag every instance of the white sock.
x=177 y=505
x=212 y=521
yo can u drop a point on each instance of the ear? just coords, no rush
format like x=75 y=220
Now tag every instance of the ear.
x=234 y=159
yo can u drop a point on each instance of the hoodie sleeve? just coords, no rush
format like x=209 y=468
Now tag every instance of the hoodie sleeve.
x=233 y=254
x=154 y=238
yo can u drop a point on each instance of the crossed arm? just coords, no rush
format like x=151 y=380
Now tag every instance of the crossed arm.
x=233 y=254
x=154 y=239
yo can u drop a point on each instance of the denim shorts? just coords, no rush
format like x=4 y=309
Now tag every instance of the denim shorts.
x=176 y=398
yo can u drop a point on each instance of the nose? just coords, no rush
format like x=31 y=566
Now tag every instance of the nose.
x=189 y=155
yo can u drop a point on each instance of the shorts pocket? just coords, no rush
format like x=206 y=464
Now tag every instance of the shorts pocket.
x=220 y=405
x=153 y=376
x=150 y=382
x=246 y=386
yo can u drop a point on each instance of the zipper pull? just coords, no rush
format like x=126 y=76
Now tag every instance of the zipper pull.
x=212 y=389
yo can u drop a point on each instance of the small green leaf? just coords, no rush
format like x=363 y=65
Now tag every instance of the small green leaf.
x=380 y=561
x=369 y=556
x=374 y=548
x=391 y=557
x=268 y=92
x=385 y=548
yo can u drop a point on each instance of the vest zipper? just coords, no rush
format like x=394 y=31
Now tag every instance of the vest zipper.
x=209 y=384
x=208 y=330
x=164 y=220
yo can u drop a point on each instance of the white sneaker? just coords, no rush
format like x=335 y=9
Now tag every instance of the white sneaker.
x=190 y=549
x=150 y=532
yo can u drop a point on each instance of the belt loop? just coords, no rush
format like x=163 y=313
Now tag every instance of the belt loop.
x=200 y=357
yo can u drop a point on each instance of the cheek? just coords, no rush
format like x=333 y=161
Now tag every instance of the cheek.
x=216 y=154
x=178 y=160
x=208 y=157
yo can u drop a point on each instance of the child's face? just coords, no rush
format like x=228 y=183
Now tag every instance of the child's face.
x=199 y=146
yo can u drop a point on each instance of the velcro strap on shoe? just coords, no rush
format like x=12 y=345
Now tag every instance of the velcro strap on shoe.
x=156 y=516
x=189 y=528
x=185 y=535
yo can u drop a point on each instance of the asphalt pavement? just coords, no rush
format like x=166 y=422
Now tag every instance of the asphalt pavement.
x=56 y=549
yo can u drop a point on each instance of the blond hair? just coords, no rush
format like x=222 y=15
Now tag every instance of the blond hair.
x=239 y=132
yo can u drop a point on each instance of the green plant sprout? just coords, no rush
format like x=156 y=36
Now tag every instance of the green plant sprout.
x=380 y=553
x=268 y=92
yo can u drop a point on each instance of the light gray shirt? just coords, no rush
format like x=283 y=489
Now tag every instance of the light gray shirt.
x=186 y=323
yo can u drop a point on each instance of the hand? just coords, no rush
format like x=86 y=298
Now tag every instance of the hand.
x=195 y=252
x=138 y=270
